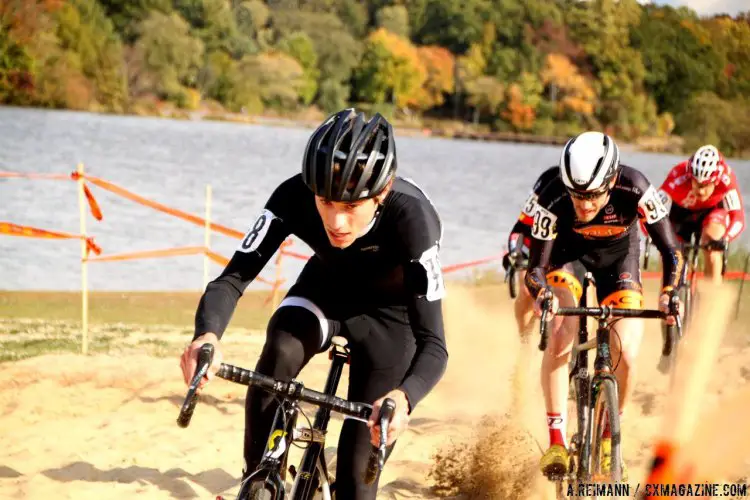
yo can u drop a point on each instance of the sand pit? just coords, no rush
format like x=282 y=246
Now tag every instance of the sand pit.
x=104 y=426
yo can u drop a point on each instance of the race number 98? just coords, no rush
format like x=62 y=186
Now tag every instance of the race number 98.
x=651 y=206
x=431 y=263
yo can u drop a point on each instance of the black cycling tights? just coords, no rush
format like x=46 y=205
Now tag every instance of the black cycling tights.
x=292 y=338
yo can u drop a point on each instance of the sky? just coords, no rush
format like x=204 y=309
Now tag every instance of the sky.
x=709 y=7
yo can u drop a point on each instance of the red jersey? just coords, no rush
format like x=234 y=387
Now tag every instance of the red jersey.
x=678 y=188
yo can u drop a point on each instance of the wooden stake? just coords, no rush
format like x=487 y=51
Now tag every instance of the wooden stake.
x=84 y=264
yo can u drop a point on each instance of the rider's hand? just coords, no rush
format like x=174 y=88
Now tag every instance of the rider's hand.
x=539 y=302
x=189 y=358
x=400 y=418
x=664 y=300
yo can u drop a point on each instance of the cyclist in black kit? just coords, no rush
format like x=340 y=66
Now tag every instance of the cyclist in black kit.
x=589 y=214
x=375 y=278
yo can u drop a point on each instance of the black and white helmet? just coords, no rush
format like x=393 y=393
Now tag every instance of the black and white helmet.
x=349 y=158
x=704 y=164
x=589 y=162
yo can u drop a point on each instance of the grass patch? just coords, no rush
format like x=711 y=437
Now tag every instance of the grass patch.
x=18 y=349
x=160 y=323
x=139 y=308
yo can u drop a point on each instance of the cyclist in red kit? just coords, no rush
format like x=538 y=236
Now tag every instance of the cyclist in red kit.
x=702 y=197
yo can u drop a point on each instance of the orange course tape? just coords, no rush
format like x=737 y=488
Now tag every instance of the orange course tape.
x=464 y=265
x=19 y=175
x=93 y=205
x=148 y=254
x=32 y=232
x=729 y=275
x=169 y=252
x=199 y=221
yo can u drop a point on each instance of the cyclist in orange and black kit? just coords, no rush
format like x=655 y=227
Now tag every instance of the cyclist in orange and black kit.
x=519 y=240
x=590 y=214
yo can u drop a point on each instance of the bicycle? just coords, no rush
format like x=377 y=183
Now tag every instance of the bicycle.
x=596 y=398
x=312 y=480
x=517 y=261
x=688 y=283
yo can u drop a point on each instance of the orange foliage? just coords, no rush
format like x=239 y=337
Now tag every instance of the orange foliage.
x=406 y=70
x=24 y=18
x=439 y=64
x=518 y=114
x=577 y=95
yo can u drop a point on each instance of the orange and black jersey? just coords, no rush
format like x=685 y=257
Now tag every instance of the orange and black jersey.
x=610 y=237
x=523 y=224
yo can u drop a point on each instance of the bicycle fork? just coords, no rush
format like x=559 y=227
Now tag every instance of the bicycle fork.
x=580 y=377
x=273 y=463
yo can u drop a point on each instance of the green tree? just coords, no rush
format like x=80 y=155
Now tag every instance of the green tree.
x=167 y=58
x=84 y=29
x=678 y=63
x=338 y=52
x=602 y=28
x=731 y=40
x=300 y=47
x=395 y=19
x=279 y=78
x=333 y=95
x=354 y=15
x=453 y=25
x=391 y=70
x=485 y=94
x=126 y=14
x=709 y=119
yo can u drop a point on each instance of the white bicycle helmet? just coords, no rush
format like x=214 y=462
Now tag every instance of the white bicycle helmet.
x=589 y=162
x=704 y=164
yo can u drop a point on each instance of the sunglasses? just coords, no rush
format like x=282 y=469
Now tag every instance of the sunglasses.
x=701 y=185
x=588 y=195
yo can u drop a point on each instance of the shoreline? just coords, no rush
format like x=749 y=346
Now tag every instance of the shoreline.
x=434 y=128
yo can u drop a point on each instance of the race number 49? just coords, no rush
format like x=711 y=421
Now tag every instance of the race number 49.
x=543 y=227
x=257 y=232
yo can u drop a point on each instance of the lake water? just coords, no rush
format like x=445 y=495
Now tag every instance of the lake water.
x=478 y=187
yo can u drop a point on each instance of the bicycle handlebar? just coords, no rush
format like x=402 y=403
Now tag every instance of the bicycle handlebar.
x=205 y=356
x=377 y=453
x=606 y=312
x=293 y=391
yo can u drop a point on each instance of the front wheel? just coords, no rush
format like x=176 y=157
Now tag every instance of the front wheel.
x=606 y=464
x=256 y=490
x=513 y=282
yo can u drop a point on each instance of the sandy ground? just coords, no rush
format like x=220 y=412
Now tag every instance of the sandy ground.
x=104 y=426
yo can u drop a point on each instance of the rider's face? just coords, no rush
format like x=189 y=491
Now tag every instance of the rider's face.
x=587 y=209
x=344 y=222
x=587 y=205
x=702 y=191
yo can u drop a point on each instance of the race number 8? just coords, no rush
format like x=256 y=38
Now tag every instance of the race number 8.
x=257 y=233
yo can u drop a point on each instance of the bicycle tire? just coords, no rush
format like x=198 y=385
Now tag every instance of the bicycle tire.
x=687 y=303
x=257 y=490
x=606 y=407
x=513 y=282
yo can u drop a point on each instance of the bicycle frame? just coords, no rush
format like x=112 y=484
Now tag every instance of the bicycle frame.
x=313 y=469
x=587 y=387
